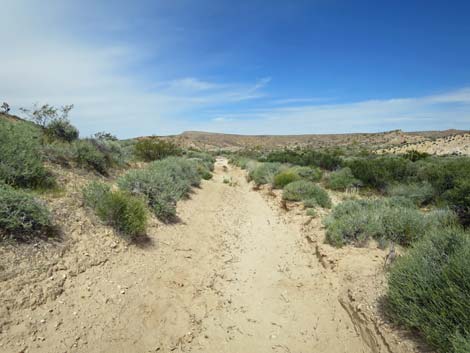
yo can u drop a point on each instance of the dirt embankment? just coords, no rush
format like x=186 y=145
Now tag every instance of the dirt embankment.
x=236 y=274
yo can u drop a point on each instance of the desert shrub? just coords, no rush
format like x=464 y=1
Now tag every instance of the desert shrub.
x=414 y=155
x=61 y=129
x=239 y=161
x=419 y=193
x=312 y=212
x=22 y=217
x=342 y=179
x=163 y=183
x=308 y=173
x=326 y=159
x=87 y=155
x=152 y=149
x=429 y=289
x=20 y=158
x=305 y=190
x=124 y=212
x=263 y=173
x=378 y=172
x=458 y=198
x=202 y=157
x=310 y=203
x=285 y=177
x=389 y=219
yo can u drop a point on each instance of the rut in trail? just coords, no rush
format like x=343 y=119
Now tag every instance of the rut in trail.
x=231 y=276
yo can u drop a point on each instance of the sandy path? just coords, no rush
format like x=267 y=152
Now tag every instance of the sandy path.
x=232 y=276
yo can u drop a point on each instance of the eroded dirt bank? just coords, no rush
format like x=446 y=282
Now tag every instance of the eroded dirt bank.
x=234 y=275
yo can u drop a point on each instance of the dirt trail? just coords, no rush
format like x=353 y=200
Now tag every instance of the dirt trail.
x=231 y=276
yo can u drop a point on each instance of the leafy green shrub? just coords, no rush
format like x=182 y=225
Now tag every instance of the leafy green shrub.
x=305 y=190
x=342 y=179
x=326 y=159
x=152 y=149
x=378 y=172
x=458 y=198
x=395 y=219
x=308 y=173
x=61 y=129
x=163 y=183
x=263 y=173
x=429 y=289
x=285 y=177
x=310 y=203
x=311 y=212
x=22 y=217
x=126 y=213
x=87 y=155
x=202 y=157
x=419 y=193
x=20 y=157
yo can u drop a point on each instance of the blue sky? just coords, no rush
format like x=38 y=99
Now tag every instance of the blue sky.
x=251 y=67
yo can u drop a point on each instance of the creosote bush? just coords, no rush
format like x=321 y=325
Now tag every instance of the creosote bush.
x=22 y=217
x=152 y=149
x=429 y=289
x=305 y=190
x=61 y=129
x=20 y=156
x=308 y=173
x=419 y=193
x=285 y=177
x=342 y=179
x=388 y=219
x=121 y=210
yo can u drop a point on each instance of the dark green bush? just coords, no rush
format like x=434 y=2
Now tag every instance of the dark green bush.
x=378 y=172
x=415 y=155
x=124 y=212
x=20 y=158
x=22 y=217
x=429 y=289
x=342 y=179
x=305 y=190
x=388 y=219
x=61 y=129
x=285 y=177
x=326 y=159
x=458 y=198
x=152 y=149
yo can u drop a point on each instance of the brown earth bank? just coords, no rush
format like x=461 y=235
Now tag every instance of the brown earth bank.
x=235 y=274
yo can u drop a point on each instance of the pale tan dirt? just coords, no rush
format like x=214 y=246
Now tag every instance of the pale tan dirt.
x=236 y=274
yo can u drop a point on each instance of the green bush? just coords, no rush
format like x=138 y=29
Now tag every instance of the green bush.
x=285 y=177
x=87 y=155
x=419 y=193
x=124 y=212
x=163 y=183
x=61 y=129
x=429 y=289
x=308 y=173
x=388 y=219
x=22 y=217
x=152 y=149
x=311 y=212
x=263 y=173
x=342 y=179
x=458 y=198
x=20 y=158
x=378 y=172
x=326 y=159
x=305 y=190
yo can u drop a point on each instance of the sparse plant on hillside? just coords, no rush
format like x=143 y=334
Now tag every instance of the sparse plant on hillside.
x=22 y=217
x=124 y=212
x=5 y=108
x=102 y=135
x=61 y=129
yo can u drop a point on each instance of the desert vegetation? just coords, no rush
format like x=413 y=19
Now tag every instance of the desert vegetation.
x=414 y=200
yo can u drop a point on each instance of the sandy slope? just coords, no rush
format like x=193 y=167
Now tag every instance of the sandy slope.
x=232 y=276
